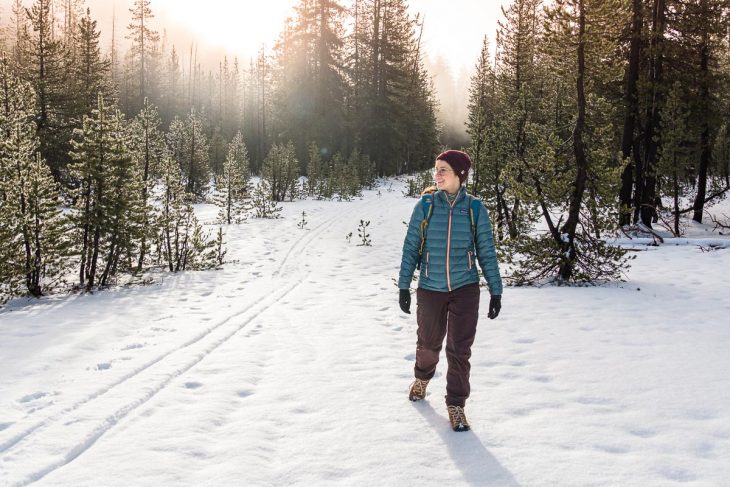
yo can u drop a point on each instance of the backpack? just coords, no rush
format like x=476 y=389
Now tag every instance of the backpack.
x=427 y=205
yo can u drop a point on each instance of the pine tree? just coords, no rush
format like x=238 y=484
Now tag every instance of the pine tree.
x=44 y=65
x=263 y=205
x=32 y=238
x=143 y=55
x=314 y=169
x=189 y=147
x=147 y=148
x=281 y=170
x=182 y=243
x=108 y=197
x=392 y=102
x=233 y=189
x=91 y=71
x=481 y=116
x=172 y=88
x=673 y=163
x=309 y=82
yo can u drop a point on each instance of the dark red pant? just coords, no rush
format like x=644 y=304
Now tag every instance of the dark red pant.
x=453 y=315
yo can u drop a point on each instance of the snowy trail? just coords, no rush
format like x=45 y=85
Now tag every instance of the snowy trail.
x=291 y=366
x=94 y=415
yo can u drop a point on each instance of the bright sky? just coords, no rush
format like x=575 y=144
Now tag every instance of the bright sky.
x=454 y=29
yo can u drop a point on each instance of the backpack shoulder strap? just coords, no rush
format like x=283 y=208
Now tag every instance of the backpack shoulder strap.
x=474 y=209
x=427 y=206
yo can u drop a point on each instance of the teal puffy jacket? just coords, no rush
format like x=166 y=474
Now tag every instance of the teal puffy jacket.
x=448 y=260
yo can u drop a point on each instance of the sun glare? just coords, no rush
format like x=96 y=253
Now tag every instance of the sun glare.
x=237 y=26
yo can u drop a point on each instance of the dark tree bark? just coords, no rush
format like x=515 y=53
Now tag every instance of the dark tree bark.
x=576 y=198
x=699 y=203
x=646 y=181
x=631 y=103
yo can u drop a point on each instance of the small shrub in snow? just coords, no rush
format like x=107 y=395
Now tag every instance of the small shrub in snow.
x=303 y=222
x=263 y=205
x=362 y=232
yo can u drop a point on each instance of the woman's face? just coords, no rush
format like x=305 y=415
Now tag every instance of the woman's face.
x=445 y=177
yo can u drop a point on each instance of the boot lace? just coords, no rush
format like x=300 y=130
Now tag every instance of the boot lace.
x=418 y=388
x=457 y=416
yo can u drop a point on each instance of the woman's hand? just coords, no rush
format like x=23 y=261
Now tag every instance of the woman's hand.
x=404 y=299
x=495 y=304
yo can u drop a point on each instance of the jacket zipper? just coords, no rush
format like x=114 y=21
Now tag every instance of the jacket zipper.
x=427 y=253
x=470 y=264
x=448 y=246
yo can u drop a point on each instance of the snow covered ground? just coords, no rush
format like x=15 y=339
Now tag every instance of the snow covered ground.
x=291 y=366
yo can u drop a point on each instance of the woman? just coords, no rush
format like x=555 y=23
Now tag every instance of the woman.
x=455 y=231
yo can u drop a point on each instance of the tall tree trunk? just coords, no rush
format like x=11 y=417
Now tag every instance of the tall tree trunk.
x=581 y=175
x=145 y=178
x=631 y=104
x=97 y=236
x=652 y=143
x=699 y=202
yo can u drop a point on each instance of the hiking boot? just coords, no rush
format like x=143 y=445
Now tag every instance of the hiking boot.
x=457 y=418
x=418 y=390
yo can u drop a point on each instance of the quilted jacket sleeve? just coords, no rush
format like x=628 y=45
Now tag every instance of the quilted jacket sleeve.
x=487 y=253
x=410 y=248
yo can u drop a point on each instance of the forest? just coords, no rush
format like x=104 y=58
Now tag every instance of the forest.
x=586 y=119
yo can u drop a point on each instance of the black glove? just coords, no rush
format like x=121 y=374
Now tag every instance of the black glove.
x=495 y=304
x=404 y=299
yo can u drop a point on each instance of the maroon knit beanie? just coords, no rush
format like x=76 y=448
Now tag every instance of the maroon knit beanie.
x=459 y=162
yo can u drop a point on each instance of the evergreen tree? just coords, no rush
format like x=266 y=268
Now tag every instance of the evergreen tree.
x=172 y=88
x=263 y=205
x=548 y=96
x=147 y=148
x=314 y=169
x=108 y=197
x=182 y=244
x=281 y=170
x=189 y=147
x=233 y=190
x=309 y=81
x=44 y=65
x=142 y=56
x=32 y=241
x=91 y=71
x=392 y=106
x=481 y=116
x=674 y=161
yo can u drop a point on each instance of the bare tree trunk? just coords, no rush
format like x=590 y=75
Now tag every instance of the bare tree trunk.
x=699 y=202
x=571 y=224
x=647 y=182
x=631 y=103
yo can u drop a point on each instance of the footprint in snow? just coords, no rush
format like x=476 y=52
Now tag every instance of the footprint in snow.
x=643 y=433
x=524 y=340
x=4 y=426
x=243 y=393
x=193 y=385
x=32 y=397
x=410 y=357
x=162 y=329
x=103 y=366
x=133 y=346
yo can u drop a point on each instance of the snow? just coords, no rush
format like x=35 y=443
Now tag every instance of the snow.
x=291 y=367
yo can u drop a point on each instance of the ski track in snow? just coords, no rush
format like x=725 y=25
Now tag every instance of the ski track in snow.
x=291 y=365
x=144 y=382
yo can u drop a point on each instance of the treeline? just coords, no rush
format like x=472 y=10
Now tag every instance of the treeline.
x=103 y=153
x=366 y=90
x=599 y=115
